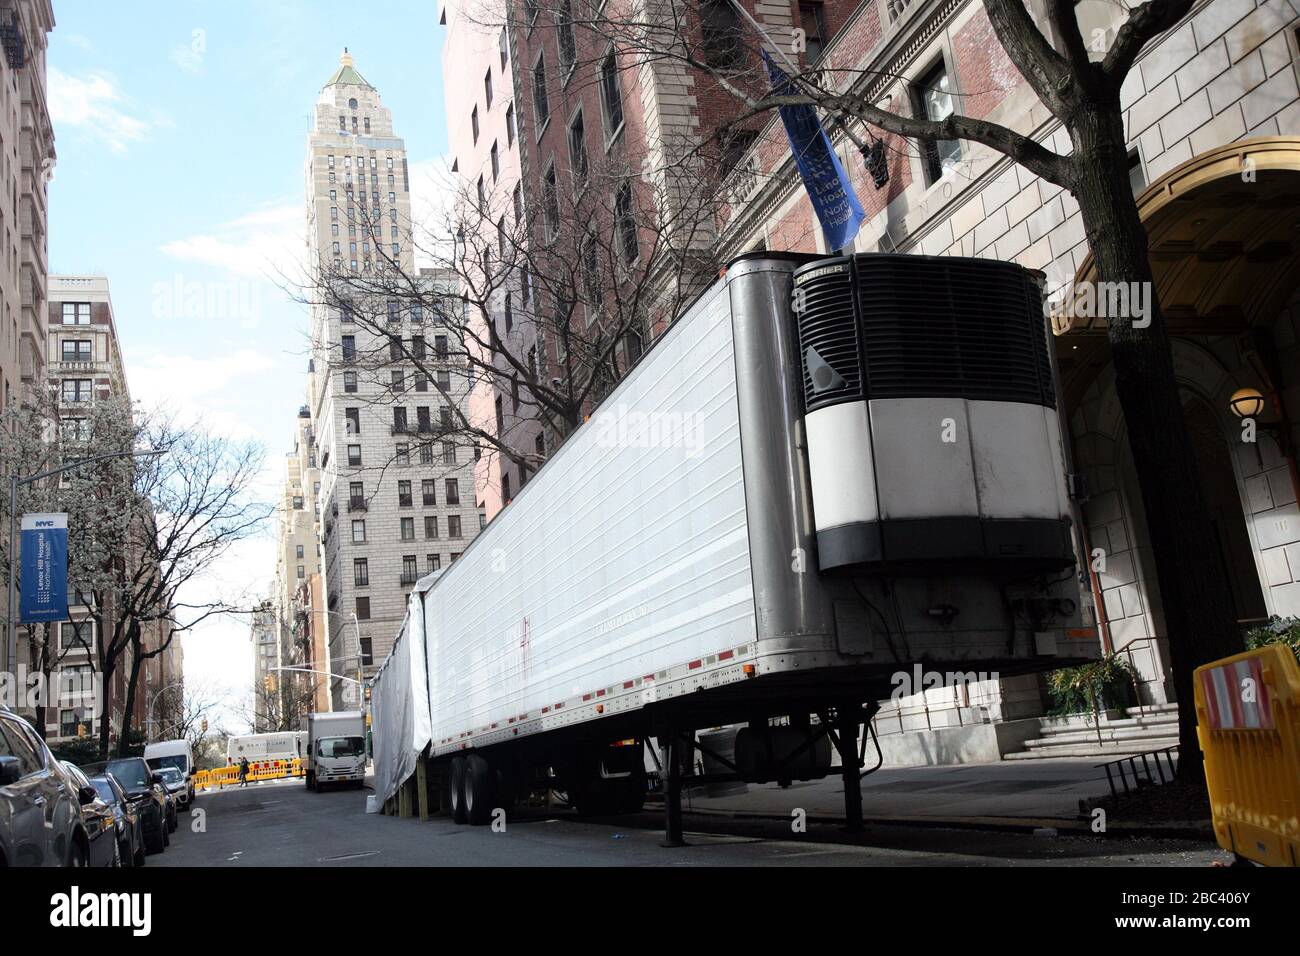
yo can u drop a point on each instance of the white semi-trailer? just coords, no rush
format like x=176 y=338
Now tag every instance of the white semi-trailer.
x=825 y=472
x=260 y=748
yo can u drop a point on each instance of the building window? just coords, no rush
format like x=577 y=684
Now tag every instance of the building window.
x=611 y=95
x=487 y=87
x=508 y=313
x=354 y=455
x=76 y=390
x=363 y=612
x=421 y=382
x=455 y=555
x=473 y=123
x=551 y=200
x=564 y=36
x=297 y=502
x=74 y=634
x=428 y=489
x=541 y=106
x=812 y=19
x=444 y=381
x=349 y=381
x=349 y=348
x=403 y=454
x=496 y=162
x=359 y=531
x=302 y=572
x=933 y=99
x=578 y=150
x=76 y=351
x=505 y=486
x=510 y=125
x=453 y=526
x=367 y=657
x=410 y=571
x=502 y=45
x=298 y=551
x=361 y=572
x=408 y=529
x=397 y=380
x=353 y=419
x=722 y=36
x=404 y=494
x=431 y=526
x=76 y=313
x=452 y=491
x=625 y=214
x=448 y=453
x=432 y=562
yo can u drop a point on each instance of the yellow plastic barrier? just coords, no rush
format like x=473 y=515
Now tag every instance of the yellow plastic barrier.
x=1248 y=724
x=220 y=777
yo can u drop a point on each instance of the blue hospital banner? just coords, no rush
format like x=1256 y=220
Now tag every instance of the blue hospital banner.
x=44 y=569
x=828 y=186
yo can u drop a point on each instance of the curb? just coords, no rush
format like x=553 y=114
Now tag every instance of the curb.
x=1069 y=826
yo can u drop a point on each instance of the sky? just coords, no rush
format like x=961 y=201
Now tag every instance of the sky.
x=181 y=132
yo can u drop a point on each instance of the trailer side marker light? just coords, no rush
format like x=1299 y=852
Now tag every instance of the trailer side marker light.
x=624 y=743
x=749 y=670
x=600 y=708
x=695 y=665
x=600 y=693
x=627 y=684
x=726 y=655
x=586 y=697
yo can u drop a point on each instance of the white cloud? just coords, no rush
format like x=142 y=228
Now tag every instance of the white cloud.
x=79 y=41
x=266 y=243
x=193 y=388
x=93 y=104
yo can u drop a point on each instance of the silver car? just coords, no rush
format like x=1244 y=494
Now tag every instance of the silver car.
x=40 y=817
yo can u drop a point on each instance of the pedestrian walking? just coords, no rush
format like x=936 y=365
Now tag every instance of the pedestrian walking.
x=243 y=771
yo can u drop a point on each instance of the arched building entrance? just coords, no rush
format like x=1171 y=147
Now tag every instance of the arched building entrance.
x=1224 y=234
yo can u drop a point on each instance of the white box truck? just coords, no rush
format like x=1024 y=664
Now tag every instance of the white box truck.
x=824 y=474
x=336 y=749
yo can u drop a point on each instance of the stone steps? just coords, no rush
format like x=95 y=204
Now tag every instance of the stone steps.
x=1143 y=729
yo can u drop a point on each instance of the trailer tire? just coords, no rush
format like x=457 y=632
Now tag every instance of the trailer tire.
x=456 y=791
x=479 y=790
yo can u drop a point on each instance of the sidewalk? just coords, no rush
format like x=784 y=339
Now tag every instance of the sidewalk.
x=1017 y=795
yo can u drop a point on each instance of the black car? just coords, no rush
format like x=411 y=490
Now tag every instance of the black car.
x=40 y=815
x=145 y=794
x=97 y=817
x=130 y=826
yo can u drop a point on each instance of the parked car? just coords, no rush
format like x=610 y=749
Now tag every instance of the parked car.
x=40 y=815
x=97 y=817
x=178 y=786
x=130 y=826
x=174 y=753
x=146 y=793
x=173 y=797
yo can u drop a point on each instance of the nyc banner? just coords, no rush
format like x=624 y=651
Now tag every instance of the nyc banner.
x=44 y=569
x=828 y=186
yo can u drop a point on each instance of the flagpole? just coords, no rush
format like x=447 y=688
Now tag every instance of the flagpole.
x=795 y=71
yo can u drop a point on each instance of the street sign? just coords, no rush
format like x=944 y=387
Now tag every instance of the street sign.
x=44 y=569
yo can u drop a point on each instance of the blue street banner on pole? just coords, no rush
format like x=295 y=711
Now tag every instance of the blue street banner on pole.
x=44 y=569
x=828 y=186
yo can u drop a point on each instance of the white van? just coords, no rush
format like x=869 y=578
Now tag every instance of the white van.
x=176 y=754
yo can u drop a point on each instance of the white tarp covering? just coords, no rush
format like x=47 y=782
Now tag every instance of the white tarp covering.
x=399 y=704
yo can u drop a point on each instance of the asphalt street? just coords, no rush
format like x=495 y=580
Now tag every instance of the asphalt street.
x=280 y=823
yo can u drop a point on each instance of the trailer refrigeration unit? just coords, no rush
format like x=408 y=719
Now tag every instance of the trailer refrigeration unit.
x=826 y=472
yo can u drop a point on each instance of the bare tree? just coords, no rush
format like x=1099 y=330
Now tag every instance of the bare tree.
x=540 y=311
x=194 y=505
x=280 y=704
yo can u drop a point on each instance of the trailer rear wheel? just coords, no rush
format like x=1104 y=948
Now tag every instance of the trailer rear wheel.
x=456 y=790
x=479 y=790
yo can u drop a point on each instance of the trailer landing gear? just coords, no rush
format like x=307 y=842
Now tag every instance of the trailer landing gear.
x=672 y=765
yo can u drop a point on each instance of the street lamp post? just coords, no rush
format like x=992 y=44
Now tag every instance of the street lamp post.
x=11 y=633
x=356 y=633
x=148 y=714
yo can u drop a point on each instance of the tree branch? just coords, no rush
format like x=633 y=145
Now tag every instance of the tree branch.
x=1145 y=23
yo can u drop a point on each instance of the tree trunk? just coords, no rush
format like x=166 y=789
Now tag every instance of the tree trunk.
x=137 y=664
x=1199 y=620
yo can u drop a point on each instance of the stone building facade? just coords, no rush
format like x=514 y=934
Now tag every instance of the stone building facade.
x=394 y=503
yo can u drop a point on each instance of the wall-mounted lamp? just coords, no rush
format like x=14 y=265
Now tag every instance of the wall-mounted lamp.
x=1247 y=402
